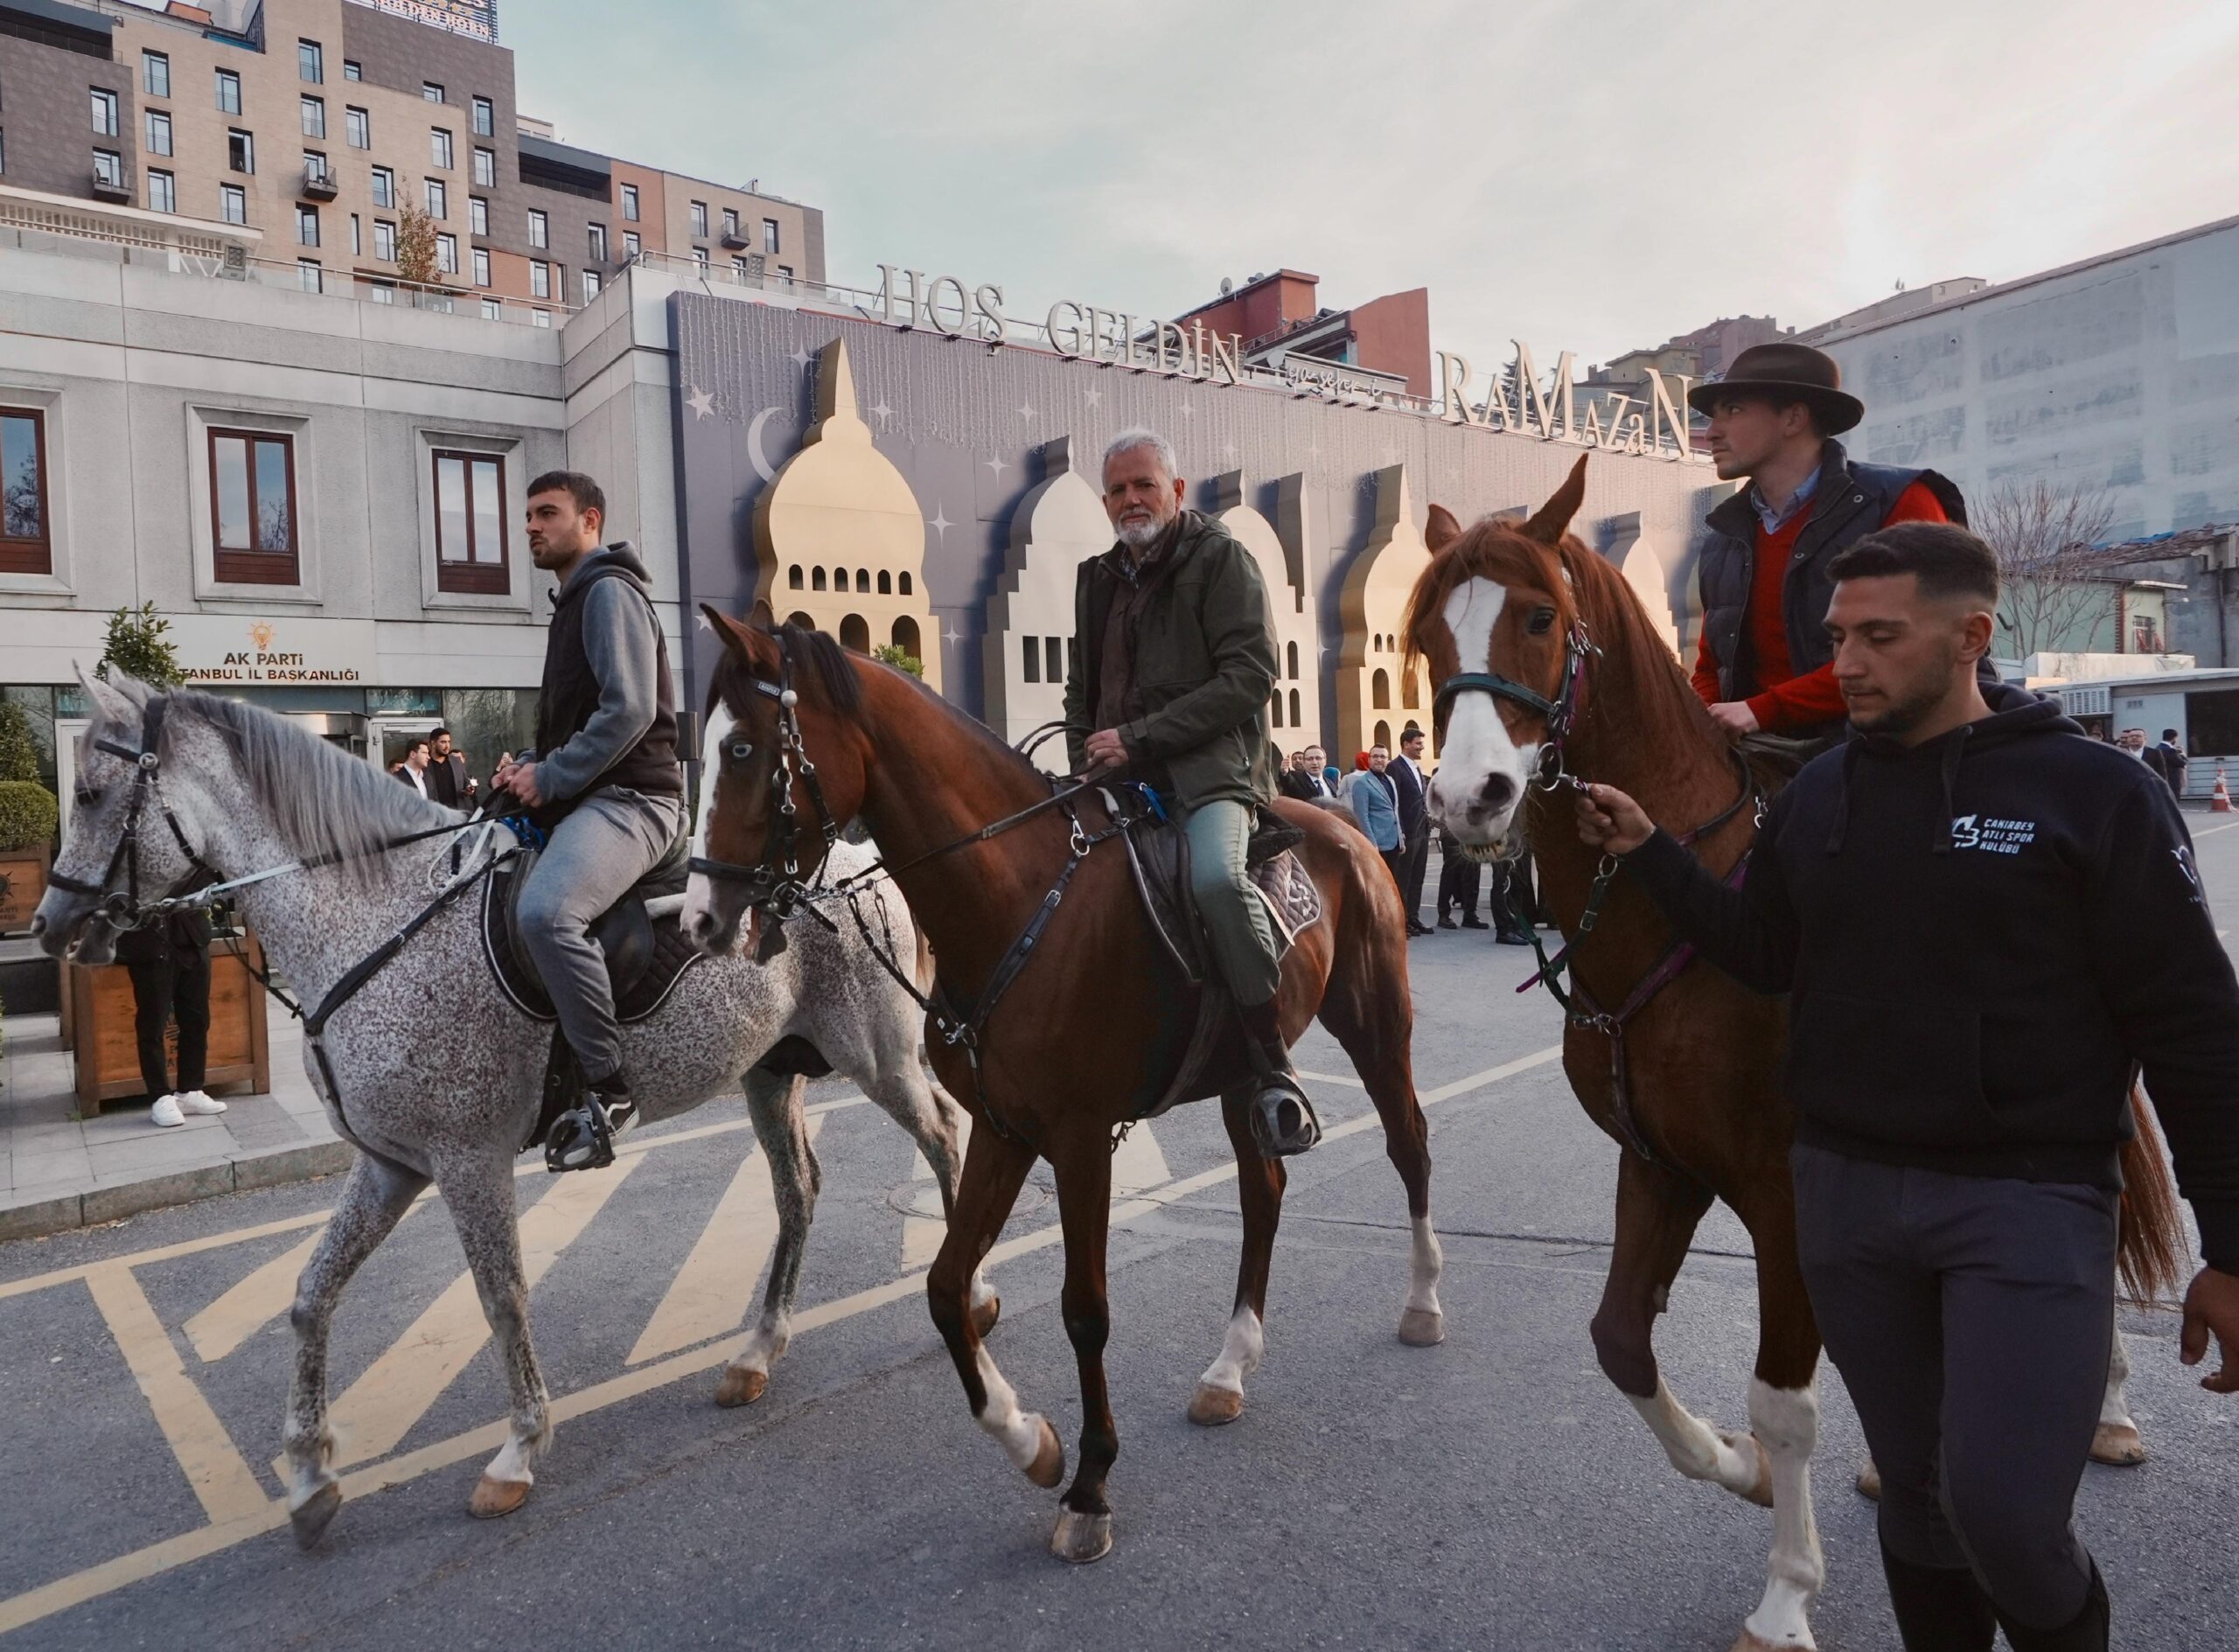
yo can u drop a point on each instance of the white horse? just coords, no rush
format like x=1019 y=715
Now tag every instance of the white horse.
x=245 y=792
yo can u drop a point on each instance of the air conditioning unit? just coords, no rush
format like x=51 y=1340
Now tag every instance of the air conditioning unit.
x=319 y=185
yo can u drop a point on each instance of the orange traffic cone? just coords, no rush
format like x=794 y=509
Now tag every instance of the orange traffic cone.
x=2219 y=801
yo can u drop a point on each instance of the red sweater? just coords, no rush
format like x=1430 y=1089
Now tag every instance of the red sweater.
x=1785 y=701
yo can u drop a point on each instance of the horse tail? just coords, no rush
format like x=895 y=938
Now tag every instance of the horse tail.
x=2151 y=1246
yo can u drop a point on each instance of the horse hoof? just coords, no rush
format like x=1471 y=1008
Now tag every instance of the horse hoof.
x=312 y=1517
x=1749 y=1643
x=984 y=1314
x=494 y=1499
x=1209 y=1407
x=1422 y=1326
x=1049 y=1465
x=1081 y=1538
x=1759 y=1489
x=2117 y=1446
x=740 y=1386
x=1869 y=1483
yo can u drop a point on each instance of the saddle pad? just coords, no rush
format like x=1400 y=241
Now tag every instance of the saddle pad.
x=635 y=998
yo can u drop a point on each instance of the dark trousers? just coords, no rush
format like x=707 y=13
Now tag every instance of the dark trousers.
x=178 y=986
x=1460 y=881
x=1395 y=861
x=1414 y=863
x=1516 y=903
x=1970 y=1318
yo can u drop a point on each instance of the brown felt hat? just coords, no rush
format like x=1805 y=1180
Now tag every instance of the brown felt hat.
x=1787 y=370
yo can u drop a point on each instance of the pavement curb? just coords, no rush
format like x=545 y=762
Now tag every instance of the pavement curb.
x=36 y=1217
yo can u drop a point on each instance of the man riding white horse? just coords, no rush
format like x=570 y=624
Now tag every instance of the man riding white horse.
x=603 y=783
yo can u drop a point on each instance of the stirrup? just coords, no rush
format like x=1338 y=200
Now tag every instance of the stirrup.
x=583 y=1138
x=1283 y=1121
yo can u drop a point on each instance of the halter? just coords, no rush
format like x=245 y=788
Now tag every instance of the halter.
x=124 y=907
x=774 y=884
x=1561 y=713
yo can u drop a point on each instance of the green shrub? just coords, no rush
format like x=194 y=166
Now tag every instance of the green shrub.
x=19 y=749
x=900 y=658
x=28 y=814
x=138 y=646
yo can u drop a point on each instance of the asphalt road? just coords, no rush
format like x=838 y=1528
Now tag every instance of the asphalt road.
x=1492 y=1491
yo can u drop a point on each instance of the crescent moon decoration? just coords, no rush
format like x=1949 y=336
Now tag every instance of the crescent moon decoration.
x=763 y=467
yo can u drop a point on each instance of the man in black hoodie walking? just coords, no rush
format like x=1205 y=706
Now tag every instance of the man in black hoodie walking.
x=1986 y=924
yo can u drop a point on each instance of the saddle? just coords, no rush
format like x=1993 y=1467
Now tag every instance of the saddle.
x=645 y=955
x=1214 y=1060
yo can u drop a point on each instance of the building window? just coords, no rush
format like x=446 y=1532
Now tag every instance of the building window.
x=786 y=274
x=432 y=90
x=381 y=292
x=25 y=545
x=438 y=198
x=108 y=169
x=384 y=187
x=314 y=117
x=447 y=253
x=699 y=259
x=730 y=223
x=358 y=127
x=540 y=279
x=229 y=91
x=770 y=235
x=309 y=273
x=905 y=582
x=241 y=150
x=482 y=267
x=310 y=62
x=439 y=148
x=232 y=203
x=104 y=113
x=485 y=167
x=493 y=310
x=156 y=74
x=699 y=219
x=1030 y=659
x=485 y=118
x=163 y=192
x=630 y=202
x=351 y=71
x=598 y=243
x=630 y=244
x=315 y=168
x=816 y=578
x=357 y=236
x=539 y=318
x=540 y=228
x=159 y=124
x=590 y=285
x=478 y=215
x=252 y=507
x=885 y=583
x=306 y=225
x=384 y=241
x=739 y=268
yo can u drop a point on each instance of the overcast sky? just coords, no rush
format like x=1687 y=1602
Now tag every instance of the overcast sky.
x=1589 y=177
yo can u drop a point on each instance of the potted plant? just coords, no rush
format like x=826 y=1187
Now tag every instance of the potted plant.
x=28 y=813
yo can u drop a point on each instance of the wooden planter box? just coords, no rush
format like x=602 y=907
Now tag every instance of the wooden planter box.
x=24 y=873
x=97 y=1021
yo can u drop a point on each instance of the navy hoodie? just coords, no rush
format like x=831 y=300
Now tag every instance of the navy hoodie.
x=1984 y=937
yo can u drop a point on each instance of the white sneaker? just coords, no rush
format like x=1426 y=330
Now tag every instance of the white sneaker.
x=199 y=1103
x=166 y=1112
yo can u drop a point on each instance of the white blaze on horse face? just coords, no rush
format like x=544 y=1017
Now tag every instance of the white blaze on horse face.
x=1477 y=751
x=698 y=889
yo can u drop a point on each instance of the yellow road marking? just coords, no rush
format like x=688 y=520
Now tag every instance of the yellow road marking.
x=714 y=1287
x=250 y=1306
x=222 y=1479
x=381 y=1406
x=92 y=1582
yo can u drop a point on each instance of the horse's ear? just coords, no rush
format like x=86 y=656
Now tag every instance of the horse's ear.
x=1553 y=519
x=1441 y=530
x=107 y=697
x=742 y=638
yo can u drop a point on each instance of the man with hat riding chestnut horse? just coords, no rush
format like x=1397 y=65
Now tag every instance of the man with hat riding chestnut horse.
x=1764 y=663
x=1169 y=688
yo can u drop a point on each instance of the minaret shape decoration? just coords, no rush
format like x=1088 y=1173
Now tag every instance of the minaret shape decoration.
x=1057 y=526
x=1378 y=692
x=839 y=537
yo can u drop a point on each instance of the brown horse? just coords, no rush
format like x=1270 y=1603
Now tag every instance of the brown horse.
x=1543 y=664
x=1083 y=1036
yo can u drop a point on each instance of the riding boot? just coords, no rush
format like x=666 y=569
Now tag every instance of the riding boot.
x=1282 y=1119
x=2086 y=1632
x=583 y=1138
x=1938 y=1610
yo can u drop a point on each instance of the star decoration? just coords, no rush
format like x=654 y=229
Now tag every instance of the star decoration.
x=800 y=357
x=1026 y=410
x=938 y=521
x=883 y=411
x=702 y=620
x=1187 y=410
x=1230 y=450
x=951 y=637
x=1095 y=395
x=998 y=466
x=701 y=402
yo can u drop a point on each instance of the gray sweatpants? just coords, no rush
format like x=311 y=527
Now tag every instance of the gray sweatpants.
x=1241 y=934
x=613 y=838
x=1970 y=1317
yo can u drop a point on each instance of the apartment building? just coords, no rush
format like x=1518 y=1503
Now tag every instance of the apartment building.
x=303 y=130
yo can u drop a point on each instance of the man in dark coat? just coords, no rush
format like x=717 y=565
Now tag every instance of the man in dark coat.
x=169 y=962
x=2167 y=760
x=1410 y=783
x=448 y=782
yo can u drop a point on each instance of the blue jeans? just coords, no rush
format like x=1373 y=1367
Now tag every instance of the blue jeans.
x=1243 y=939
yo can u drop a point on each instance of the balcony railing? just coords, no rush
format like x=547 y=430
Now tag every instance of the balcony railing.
x=320 y=184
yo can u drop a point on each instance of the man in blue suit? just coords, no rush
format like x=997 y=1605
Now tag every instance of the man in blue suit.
x=1376 y=805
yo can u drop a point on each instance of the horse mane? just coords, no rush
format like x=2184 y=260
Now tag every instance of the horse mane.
x=1663 y=709
x=323 y=801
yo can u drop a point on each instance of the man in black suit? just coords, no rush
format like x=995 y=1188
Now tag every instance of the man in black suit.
x=448 y=782
x=1460 y=881
x=2167 y=760
x=169 y=962
x=1406 y=772
x=1302 y=778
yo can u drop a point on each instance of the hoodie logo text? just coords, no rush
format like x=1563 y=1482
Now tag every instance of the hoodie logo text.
x=1988 y=832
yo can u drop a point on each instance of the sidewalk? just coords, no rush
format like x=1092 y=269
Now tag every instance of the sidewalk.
x=59 y=1171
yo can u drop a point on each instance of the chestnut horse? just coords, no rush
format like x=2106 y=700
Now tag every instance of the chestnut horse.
x=1544 y=665
x=1086 y=1031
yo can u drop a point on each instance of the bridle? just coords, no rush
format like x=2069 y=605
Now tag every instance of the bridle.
x=1561 y=713
x=774 y=884
x=123 y=906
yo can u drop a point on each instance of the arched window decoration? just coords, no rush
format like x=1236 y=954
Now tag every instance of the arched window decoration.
x=1379 y=691
x=1375 y=643
x=800 y=619
x=1290 y=653
x=854 y=633
x=885 y=583
x=816 y=579
x=794 y=577
x=905 y=582
x=863 y=581
x=1275 y=712
x=1384 y=734
x=1294 y=708
x=905 y=636
x=1410 y=693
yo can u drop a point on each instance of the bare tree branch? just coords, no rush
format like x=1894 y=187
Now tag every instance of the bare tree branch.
x=2053 y=571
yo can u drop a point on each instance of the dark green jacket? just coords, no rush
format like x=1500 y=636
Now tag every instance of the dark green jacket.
x=1204 y=652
